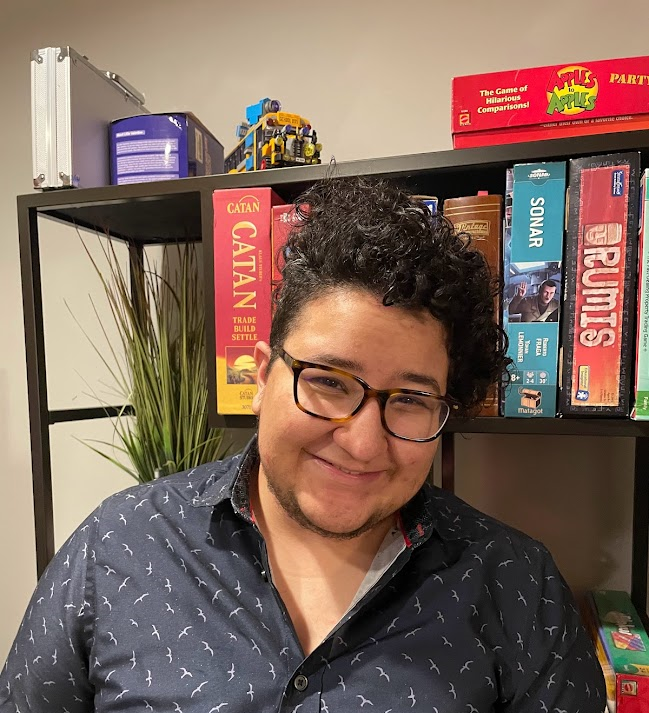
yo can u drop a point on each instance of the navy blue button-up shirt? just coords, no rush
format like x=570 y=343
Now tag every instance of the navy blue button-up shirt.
x=161 y=602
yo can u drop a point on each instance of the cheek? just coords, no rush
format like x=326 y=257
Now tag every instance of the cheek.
x=415 y=462
x=284 y=428
x=274 y=401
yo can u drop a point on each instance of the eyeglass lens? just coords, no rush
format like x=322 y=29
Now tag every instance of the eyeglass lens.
x=333 y=395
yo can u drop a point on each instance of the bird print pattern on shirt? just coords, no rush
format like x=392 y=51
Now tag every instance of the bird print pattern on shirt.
x=146 y=608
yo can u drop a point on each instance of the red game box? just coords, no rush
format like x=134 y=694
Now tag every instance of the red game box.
x=242 y=291
x=550 y=102
x=600 y=285
x=285 y=218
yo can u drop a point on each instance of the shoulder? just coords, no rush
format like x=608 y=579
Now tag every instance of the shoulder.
x=181 y=488
x=457 y=520
x=514 y=566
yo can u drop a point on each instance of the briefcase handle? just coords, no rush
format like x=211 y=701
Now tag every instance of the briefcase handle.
x=123 y=84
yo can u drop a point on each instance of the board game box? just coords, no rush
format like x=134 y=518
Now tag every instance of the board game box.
x=532 y=257
x=640 y=411
x=242 y=291
x=162 y=147
x=600 y=285
x=554 y=101
x=481 y=216
x=623 y=650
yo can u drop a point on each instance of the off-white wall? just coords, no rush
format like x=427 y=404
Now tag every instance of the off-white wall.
x=374 y=77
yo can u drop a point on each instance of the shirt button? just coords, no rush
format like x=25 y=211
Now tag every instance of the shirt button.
x=301 y=682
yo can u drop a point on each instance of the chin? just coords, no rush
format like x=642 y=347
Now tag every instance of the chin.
x=337 y=529
x=332 y=533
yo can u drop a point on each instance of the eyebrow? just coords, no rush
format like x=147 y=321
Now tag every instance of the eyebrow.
x=421 y=379
x=355 y=366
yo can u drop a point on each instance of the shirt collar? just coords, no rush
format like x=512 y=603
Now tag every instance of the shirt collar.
x=417 y=518
x=234 y=483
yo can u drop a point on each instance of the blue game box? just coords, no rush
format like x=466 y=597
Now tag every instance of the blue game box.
x=532 y=258
x=160 y=147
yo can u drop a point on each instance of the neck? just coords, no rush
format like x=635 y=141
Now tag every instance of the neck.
x=316 y=577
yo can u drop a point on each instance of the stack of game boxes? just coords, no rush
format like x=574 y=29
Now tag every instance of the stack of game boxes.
x=622 y=647
x=565 y=250
x=571 y=281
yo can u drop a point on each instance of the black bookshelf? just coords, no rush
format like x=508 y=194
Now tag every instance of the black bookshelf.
x=167 y=211
x=620 y=427
x=181 y=210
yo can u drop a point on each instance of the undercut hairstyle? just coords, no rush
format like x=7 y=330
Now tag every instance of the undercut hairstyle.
x=368 y=234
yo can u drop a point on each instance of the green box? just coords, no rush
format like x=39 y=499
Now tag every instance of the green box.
x=640 y=410
x=622 y=632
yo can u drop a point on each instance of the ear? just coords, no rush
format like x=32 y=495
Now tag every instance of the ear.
x=262 y=360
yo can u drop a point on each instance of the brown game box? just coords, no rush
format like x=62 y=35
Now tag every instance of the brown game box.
x=482 y=217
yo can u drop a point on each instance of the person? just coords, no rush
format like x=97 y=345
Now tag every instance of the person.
x=319 y=570
x=543 y=307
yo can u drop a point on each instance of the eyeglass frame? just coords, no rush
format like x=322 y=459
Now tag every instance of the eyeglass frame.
x=297 y=366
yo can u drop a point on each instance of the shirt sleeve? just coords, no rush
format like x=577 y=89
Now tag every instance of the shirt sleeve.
x=556 y=667
x=47 y=666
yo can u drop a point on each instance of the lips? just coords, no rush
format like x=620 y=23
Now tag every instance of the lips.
x=339 y=470
x=351 y=472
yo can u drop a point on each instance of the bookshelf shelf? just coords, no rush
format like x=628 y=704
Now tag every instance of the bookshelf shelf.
x=609 y=427
x=153 y=213
x=553 y=426
x=181 y=210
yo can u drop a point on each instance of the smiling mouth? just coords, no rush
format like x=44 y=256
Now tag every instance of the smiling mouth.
x=347 y=471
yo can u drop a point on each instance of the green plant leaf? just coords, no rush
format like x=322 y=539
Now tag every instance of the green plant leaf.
x=160 y=318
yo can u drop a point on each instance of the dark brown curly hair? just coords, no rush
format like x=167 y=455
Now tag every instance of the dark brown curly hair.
x=367 y=233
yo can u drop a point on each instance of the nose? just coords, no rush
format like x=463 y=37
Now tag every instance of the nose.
x=364 y=437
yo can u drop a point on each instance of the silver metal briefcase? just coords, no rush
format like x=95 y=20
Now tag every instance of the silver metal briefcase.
x=72 y=104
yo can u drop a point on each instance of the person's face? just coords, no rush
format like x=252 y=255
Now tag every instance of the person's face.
x=341 y=479
x=547 y=294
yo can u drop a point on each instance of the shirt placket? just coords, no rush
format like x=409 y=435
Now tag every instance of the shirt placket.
x=304 y=689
